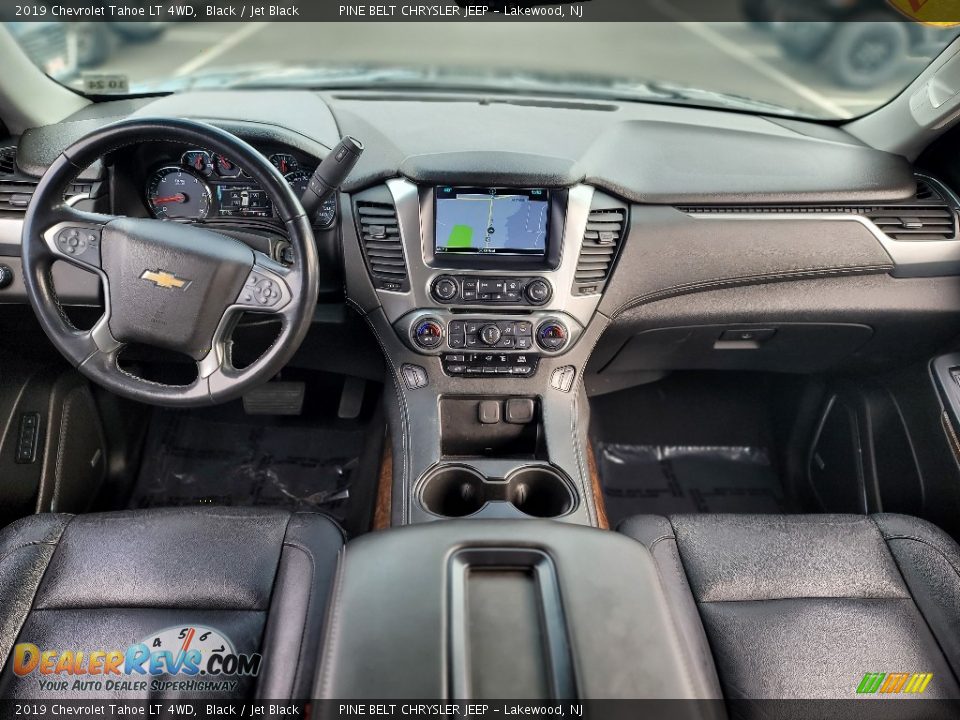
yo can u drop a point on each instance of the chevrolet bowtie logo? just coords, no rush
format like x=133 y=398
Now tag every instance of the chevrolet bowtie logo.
x=161 y=278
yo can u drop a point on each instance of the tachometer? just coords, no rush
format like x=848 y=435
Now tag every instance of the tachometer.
x=178 y=193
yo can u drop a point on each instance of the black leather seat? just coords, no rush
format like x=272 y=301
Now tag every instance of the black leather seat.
x=237 y=582
x=803 y=606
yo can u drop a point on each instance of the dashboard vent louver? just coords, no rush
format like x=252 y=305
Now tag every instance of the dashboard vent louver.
x=928 y=216
x=604 y=233
x=15 y=189
x=8 y=160
x=382 y=245
x=15 y=194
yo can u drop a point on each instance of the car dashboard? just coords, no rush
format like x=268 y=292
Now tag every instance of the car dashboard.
x=506 y=248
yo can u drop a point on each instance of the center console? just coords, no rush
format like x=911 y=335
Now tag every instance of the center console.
x=512 y=610
x=484 y=300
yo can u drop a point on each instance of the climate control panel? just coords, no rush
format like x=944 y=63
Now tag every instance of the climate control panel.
x=432 y=332
x=484 y=290
x=500 y=334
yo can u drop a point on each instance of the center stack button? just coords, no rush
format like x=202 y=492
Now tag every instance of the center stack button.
x=490 y=334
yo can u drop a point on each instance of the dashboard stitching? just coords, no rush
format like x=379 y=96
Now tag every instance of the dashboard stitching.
x=582 y=471
x=800 y=274
x=395 y=374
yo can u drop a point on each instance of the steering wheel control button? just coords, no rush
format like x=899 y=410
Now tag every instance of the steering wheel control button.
x=82 y=243
x=261 y=290
x=538 y=291
x=414 y=376
x=487 y=363
x=552 y=335
x=445 y=289
x=428 y=334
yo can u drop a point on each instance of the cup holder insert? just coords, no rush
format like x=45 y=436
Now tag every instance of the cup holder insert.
x=456 y=491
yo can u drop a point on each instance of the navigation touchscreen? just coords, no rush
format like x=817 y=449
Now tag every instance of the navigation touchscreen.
x=499 y=221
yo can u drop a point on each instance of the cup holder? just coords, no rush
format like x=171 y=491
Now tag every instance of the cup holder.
x=455 y=491
x=539 y=492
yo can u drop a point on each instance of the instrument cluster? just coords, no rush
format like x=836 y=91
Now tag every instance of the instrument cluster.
x=205 y=185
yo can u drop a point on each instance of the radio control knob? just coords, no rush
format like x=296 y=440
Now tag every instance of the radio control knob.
x=551 y=335
x=537 y=291
x=490 y=334
x=445 y=289
x=428 y=334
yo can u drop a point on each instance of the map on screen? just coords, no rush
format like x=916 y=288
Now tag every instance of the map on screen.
x=491 y=220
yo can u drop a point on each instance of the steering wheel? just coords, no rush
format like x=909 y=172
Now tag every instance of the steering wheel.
x=167 y=284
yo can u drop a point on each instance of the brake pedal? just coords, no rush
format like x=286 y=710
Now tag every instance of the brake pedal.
x=275 y=398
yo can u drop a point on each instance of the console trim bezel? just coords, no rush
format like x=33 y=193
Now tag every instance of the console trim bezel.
x=507 y=263
x=416 y=235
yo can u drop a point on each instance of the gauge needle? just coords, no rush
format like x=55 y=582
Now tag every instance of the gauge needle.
x=179 y=197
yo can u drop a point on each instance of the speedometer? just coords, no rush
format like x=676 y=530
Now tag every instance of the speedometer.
x=177 y=193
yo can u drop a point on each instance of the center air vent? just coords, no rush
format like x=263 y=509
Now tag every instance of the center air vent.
x=928 y=216
x=604 y=233
x=382 y=245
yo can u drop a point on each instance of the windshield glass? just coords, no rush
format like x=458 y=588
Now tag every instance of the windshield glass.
x=828 y=70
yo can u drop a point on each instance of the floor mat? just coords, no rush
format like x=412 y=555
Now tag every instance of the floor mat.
x=660 y=480
x=191 y=460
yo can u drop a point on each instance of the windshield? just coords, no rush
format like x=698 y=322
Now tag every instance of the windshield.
x=827 y=70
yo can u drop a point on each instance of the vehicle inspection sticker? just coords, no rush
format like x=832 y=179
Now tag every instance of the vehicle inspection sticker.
x=106 y=83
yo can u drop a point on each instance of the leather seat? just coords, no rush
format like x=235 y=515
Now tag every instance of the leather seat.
x=803 y=606
x=238 y=583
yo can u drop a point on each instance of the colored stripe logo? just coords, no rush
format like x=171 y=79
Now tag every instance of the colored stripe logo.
x=893 y=683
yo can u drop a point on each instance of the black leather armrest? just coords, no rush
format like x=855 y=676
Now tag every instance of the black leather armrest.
x=477 y=609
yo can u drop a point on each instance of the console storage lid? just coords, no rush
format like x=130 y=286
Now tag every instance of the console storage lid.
x=500 y=609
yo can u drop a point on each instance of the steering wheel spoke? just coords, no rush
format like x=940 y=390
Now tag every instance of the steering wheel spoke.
x=97 y=346
x=266 y=289
x=77 y=241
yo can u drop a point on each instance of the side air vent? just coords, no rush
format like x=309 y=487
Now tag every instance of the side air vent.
x=929 y=216
x=15 y=194
x=8 y=160
x=16 y=189
x=382 y=245
x=601 y=241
